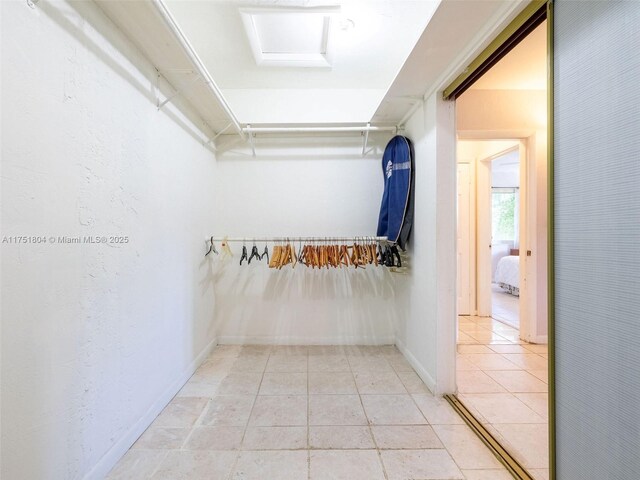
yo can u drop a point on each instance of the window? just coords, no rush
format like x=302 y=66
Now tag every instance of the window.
x=504 y=215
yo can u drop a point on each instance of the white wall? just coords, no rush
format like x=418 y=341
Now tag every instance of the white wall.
x=95 y=338
x=501 y=114
x=320 y=186
x=473 y=150
x=303 y=105
x=427 y=334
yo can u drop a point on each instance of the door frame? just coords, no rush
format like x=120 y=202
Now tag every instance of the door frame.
x=471 y=240
x=482 y=61
x=528 y=301
x=483 y=269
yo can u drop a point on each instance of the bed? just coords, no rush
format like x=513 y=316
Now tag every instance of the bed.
x=508 y=274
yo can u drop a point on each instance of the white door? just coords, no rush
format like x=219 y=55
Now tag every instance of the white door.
x=525 y=300
x=464 y=239
x=483 y=247
x=486 y=249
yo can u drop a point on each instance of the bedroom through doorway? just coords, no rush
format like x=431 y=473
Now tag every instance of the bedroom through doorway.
x=504 y=218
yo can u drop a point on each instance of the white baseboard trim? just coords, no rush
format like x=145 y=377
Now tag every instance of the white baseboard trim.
x=541 y=339
x=120 y=447
x=289 y=340
x=417 y=366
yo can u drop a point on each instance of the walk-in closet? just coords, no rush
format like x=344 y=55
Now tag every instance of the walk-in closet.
x=241 y=240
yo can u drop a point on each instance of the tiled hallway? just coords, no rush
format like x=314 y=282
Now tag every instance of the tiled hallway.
x=320 y=413
x=505 y=307
x=504 y=382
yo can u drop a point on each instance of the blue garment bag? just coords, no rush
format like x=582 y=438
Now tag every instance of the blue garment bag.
x=396 y=210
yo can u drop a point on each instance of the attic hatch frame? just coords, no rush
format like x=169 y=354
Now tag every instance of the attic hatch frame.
x=321 y=59
x=524 y=23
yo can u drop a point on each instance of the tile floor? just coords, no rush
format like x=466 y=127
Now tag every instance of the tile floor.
x=503 y=381
x=319 y=413
x=504 y=306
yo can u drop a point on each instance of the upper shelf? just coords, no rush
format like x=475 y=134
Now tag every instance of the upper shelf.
x=452 y=35
x=152 y=29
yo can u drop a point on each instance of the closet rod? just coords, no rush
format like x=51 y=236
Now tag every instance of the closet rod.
x=193 y=56
x=364 y=128
x=362 y=238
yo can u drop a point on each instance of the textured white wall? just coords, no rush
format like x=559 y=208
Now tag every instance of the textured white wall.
x=427 y=334
x=95 y=338
x=417 y=333
x=303 y=187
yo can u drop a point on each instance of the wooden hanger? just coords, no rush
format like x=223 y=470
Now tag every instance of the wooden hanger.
x=275 y=257
x=226 y=250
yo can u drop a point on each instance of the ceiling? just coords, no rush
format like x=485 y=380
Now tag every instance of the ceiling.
x=374 y=59
x=523 y=68
x=456 y=33
x=369 y=41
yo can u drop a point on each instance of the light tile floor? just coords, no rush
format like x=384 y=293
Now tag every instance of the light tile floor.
x=504 y=306
x=503 y=381
x=319 y=413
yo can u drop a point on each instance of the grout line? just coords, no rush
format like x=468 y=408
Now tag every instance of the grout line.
x=373 y=438
x=153 y=472
x=196 y=424
x=308 y=423
x=450 y=454
x=246 y=426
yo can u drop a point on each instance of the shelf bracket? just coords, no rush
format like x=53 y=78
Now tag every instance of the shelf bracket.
x=251 y=142
x=178 y=92
x=222 y=131
x=366 y=139
x=211 y=144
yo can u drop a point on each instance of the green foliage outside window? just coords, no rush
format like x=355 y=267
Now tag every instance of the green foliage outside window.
x=503 y=215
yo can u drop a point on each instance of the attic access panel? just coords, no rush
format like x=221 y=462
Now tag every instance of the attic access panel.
x=290 y=37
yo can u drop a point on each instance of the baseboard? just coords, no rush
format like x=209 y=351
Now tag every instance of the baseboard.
x=120 y=447
x=417 y=366
x=541 y=339
x=289 y=340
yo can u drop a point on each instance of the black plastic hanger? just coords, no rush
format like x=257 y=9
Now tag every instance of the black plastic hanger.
x=396 y=253
x=212 y=248
x=244 y=255
x=265 y=253
x=254 y=253
x=388 y=256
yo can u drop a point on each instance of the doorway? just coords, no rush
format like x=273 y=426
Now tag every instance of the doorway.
x=502 y=354
x=504 y=217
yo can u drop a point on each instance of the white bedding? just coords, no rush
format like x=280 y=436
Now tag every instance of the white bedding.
x=508 y=273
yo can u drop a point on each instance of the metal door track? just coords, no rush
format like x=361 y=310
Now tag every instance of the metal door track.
x=512 y=465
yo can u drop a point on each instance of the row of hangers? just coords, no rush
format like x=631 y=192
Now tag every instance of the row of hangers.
x=325 y=253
